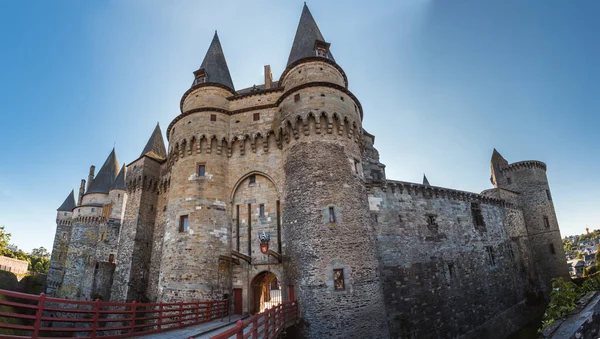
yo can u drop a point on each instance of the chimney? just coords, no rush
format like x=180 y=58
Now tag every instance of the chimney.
x=81 y=191
x=90 y=177
x=268 y=77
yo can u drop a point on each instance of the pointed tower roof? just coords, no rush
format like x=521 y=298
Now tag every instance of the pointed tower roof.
x=69 y=204
x=498 y=160
x=106 y=176
x=306 y=35
x=425 y=181
x=119 y=183
x=214 y=64
x=155 y=147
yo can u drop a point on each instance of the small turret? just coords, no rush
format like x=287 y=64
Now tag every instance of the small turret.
x=155 y=147
x=106 y=176
x=425 y=181
x=119 y=183
x=69 y=204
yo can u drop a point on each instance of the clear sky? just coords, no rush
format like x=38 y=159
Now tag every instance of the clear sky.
x=442 y=83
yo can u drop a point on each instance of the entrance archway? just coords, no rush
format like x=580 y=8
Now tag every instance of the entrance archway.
x=266 y=292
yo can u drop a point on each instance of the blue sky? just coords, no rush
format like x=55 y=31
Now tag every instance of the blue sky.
x=442 y=83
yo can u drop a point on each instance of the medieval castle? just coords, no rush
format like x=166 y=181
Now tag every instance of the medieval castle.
x=365 y=256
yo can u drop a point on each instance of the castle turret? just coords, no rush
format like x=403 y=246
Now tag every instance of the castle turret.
x=60 y=247
x=528 y=179
x=196 y=213
x=89 y=221
x=136 y=236
x=330 y=251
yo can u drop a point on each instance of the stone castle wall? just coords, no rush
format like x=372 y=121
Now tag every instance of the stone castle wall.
x=440 y=268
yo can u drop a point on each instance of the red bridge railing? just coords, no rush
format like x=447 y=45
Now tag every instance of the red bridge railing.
x=37 y=316
x=267 y=324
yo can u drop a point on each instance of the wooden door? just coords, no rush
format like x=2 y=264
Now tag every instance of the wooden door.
x=237 y=301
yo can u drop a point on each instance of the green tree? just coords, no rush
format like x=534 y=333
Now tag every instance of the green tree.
x=40 y=252
x=579 y=255
x=4 y=240
x=568 y=245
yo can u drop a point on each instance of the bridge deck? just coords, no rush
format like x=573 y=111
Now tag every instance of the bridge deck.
x=196 y=331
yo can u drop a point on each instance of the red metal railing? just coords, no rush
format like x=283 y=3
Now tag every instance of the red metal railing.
x=267 y=324
x=39 y=317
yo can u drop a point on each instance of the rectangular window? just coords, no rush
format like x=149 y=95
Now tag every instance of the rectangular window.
x=451 y=271
x=477 y=215
x=93 y=209
x=509 y=180
x=548 y=195
x=356 y=166
x=338 y=279
x=297 y=97
x=399 y=218
x=201 y=170
x=64 y=235
x=237 y=227
x=431 y=220
x=256 y=116
x=261 y=209
x=252 y=179
x=331 y=215
x=490 y=256
x=111 y=258
x=183 y=223
x=546 y=222
x=552 y=250
x=511 y=254
x=213 y=117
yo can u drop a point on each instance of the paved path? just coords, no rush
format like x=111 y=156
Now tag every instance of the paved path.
x=196 y=331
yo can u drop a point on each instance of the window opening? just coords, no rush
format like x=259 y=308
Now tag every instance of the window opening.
x=256 y=116
x=331 y=214
x=490 y=256
x=546 y=222
x=111 y=258
x=252 y=179
x=213 y=117
x=548 y=195
x=552 y=250
x=261 y=210
x=338 y=279
x=201 y=170
x=297 y=97
x=509 y=180
x=477 y=215
x=183 y=223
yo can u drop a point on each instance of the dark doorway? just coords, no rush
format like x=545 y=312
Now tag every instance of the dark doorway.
x=266 y=292
x=237 y=301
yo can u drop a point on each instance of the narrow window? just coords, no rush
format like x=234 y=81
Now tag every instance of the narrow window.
x=213 y=117
x=297 y=97
x=548 y=195
x=252 y=179
x=356 y=166
x=65 y=214
x=256 y=116
x=338 y=279
x=552 y=250
x=342 y=98
x=261 y=210
x=331 y=214
x=509 y=180
x=399 y=218
x=93 y=209
x=546 y=222
x=511 y=254
x=355 y=108
x=477 y=215
x=431 y=220
x=451 y=271
x=64 y=235
x=119 y=196
x=237 y=226
x=183 y=223
x=490 y=256
x=111 y=258
x=201 y=170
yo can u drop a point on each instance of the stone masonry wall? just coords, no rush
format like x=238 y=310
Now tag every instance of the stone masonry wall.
x=445 y=276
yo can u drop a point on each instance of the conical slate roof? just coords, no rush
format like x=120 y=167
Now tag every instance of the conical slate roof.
x=304 y=41
x=119 y=183
x=155 y=147
x=69 y=204
x=215 y=66
x=425 y=181
x=106 y=176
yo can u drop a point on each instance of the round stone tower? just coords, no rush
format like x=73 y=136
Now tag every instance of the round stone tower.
x=197 y=222
x=329 y=252
x=529 y=179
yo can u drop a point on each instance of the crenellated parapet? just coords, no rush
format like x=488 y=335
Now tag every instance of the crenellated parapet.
x=91 y=220
x=445 y=193
x=524 y=164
